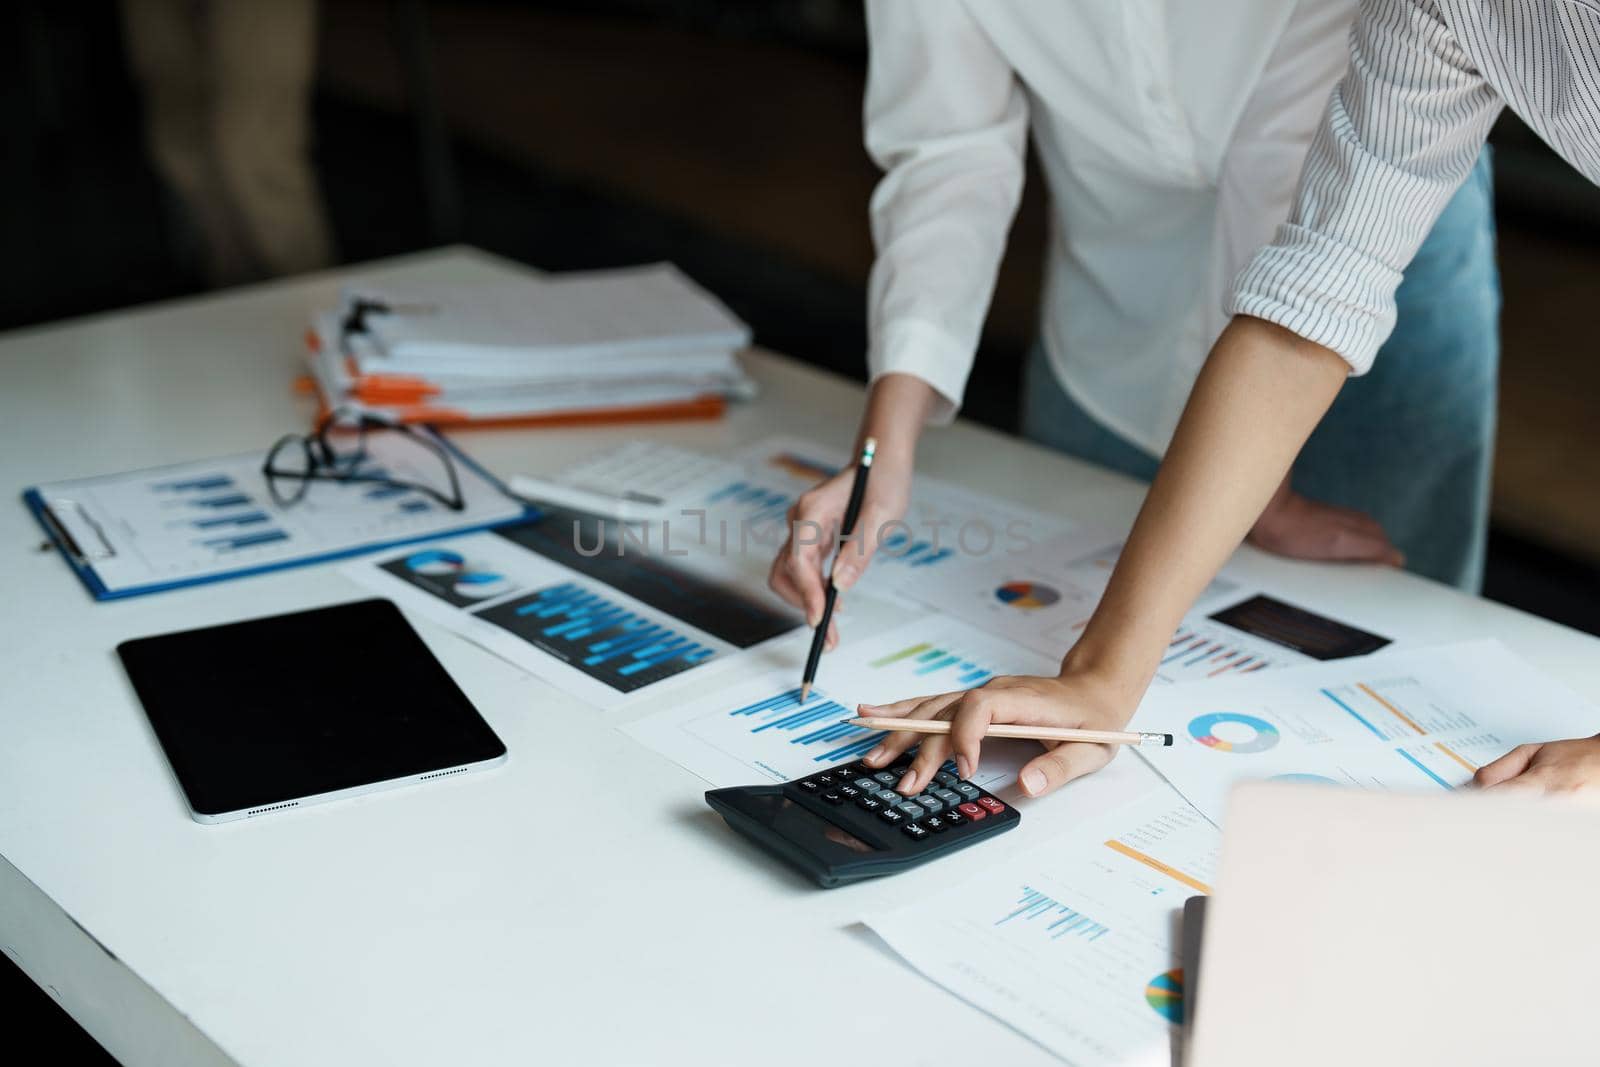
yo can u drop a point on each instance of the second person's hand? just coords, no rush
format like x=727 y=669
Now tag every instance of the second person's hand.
x=1076 y=698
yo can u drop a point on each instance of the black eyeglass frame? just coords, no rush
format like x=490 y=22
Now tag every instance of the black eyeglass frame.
x=324 y=463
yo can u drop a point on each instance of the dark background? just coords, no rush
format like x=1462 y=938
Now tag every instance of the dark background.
x=719 y=134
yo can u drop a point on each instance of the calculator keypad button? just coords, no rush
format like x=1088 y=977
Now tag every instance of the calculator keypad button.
x=888 y=796
x=949 y=796
x=849 y=792
x=935 y=823
x=833 y=797
x=890 y=816
x=991 y=805
x=866 y=785
x=866 y=803
x=952 y=819
x=915 y=832
x=972 y=812
x=809 y=785
x=909 y=810
x=888 y=778
x=946 y=779
x=929 y=804
x=968 y=790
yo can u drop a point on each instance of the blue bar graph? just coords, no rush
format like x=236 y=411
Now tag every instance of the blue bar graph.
x=924 y=659
x=231 y=500
x=814 y=723
x=899 y=547
x=601 y=637
x=203 y=483
x=1418 y=764
x=385 y=492
x=1063 y=920
x=228 y=544
x=248 y=518
x=757 y=501
x=1358 y=717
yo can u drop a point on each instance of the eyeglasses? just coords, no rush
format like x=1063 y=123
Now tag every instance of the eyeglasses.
x=297 y=460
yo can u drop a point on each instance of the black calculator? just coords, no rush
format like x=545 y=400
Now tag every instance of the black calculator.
x=847 y=823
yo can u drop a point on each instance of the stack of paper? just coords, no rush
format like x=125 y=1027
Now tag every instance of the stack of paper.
x=642 y=342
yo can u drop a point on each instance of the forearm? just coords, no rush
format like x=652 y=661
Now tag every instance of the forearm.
x=1262 y=391
x=898 y=406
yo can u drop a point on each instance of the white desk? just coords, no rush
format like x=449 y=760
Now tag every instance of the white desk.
x=495 y=918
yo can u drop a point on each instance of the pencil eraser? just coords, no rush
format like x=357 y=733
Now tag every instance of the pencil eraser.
x=1168 y=742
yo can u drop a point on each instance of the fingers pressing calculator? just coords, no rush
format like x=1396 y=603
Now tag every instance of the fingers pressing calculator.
x=847 y=823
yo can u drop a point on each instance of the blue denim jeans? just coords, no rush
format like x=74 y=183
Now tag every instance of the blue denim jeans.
x=1411 y=442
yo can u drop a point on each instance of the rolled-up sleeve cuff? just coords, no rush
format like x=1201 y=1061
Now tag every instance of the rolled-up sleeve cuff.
x=1323 y=290
x=921 y=349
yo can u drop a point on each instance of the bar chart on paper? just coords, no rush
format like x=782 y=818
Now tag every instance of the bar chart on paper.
x=814 y=725
x=762 y=730
x=1420 y=720
x=1075 y=944
x=1054 y=919
x=757 y=731
x=151 y=529
x=942 y=523
x=231 y=512
x=225 y=520
x=592 y=640
x=598 y=634
x=1201 y=650
x=924 y=659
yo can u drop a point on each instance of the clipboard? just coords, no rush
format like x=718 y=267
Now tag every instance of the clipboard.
x=154 y=530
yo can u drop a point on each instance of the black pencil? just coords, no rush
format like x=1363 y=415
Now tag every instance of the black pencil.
x=852 y=511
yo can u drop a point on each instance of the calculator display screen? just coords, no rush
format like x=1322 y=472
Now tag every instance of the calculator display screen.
x=816 y=835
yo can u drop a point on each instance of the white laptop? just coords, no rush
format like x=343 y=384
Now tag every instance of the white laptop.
x=1357 y=928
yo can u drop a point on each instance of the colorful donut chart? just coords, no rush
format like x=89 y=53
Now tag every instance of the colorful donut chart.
x=1203 y=730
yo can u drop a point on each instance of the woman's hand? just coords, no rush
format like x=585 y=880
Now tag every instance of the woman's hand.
x=897 y=408
x=1556 y=768
x=1075 y=698
x=1301 y=528
x=814 y=524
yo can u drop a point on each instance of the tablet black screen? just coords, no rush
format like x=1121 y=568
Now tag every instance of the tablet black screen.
x=277 y=709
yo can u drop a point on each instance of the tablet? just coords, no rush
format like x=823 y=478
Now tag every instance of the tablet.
x=281 y=712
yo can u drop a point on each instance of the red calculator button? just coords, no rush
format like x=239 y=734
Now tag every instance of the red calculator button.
x=991 y=805
x=972 y=811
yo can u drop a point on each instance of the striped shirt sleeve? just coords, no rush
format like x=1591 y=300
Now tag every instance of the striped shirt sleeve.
x=1400 y=134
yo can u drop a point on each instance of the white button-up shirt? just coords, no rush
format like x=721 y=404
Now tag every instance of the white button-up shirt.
x=1401 y=133
x=1171 y=133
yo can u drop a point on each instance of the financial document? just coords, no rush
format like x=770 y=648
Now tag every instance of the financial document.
x=1043 y=597
x=737 y=508
x=145 y=530
x=1421 y=720
x=1075 y=940
x=590 y=617
x=759 y=730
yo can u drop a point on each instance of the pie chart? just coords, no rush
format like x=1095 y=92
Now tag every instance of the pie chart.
x=1026 y=596
x=480 y=585
x=1228 y=731
x=435 y=562
x=1165 y=994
